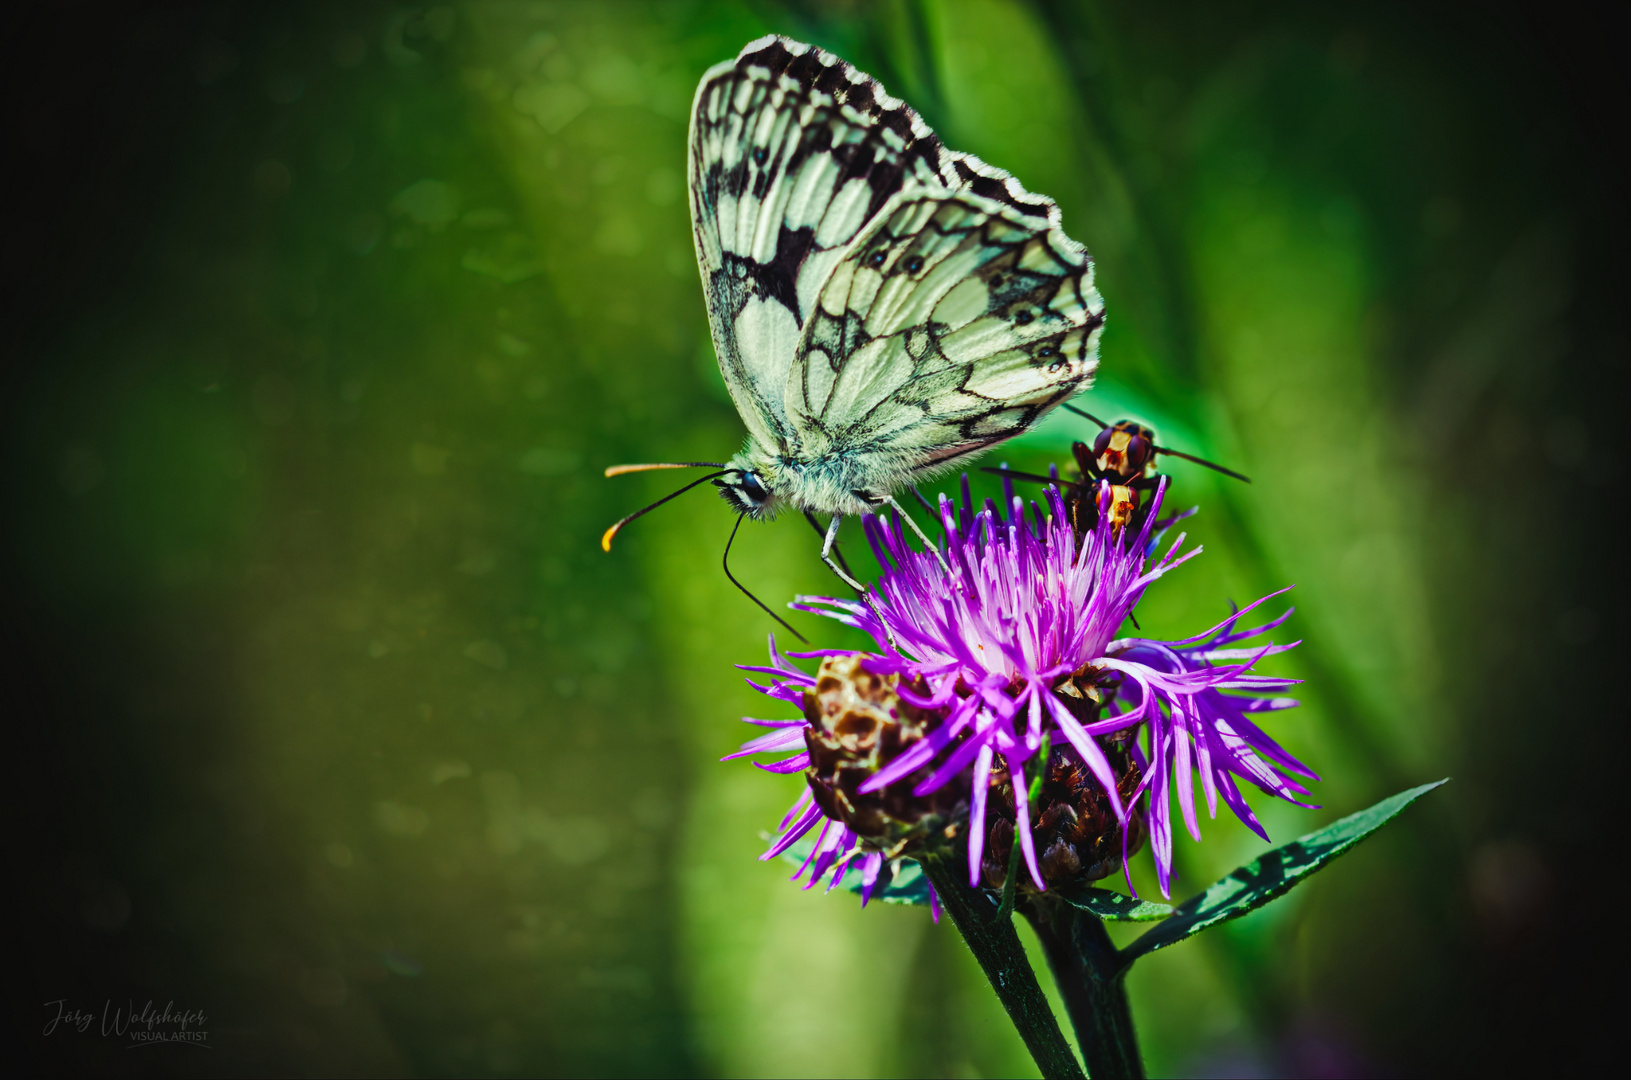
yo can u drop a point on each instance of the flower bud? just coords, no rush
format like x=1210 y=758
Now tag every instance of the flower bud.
x=859 y=724
x=1073 y=826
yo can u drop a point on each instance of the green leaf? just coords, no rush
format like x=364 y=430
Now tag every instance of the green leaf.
x=1114 y=906
x=1269 y=877
x=899 y=882
x=903 y=882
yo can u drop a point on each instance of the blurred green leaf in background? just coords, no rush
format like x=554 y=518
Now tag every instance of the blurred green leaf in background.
x=332 y=719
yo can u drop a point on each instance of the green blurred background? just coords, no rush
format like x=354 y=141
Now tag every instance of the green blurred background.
x=330 y=718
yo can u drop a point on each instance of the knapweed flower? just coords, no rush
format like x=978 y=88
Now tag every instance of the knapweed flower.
x=1017 y=643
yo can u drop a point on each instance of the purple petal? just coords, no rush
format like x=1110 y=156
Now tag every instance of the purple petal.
x=791 y=836
x=803 y=800
x=869 y=875
x=954 y=764
x=1090 y=754
x=1022 y=819
x=1232 y=619
x=796 y=763
x=783 y=739
x=976 y=816
x=800 y=722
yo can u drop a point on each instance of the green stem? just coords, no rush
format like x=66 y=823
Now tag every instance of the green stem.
x=1092 y=982
x=1006 y=909
x=997 y=947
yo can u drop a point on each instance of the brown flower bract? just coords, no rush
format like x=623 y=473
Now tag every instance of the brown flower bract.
x=1076 y=834
x=858 y=724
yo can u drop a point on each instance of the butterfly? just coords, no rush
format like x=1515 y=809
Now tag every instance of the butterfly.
x=881 y=307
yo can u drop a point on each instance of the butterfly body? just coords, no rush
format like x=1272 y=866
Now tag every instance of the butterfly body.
x=881 y=307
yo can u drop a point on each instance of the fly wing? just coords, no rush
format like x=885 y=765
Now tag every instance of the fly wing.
x=952 y=322
x=793 y=153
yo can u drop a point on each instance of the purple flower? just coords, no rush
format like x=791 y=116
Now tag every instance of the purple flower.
x=1029 y=613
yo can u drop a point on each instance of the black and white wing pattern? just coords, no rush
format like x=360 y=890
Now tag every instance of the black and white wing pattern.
x=952 y=322
x=981 y=315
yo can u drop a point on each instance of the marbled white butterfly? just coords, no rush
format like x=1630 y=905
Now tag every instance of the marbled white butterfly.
x=882 y=307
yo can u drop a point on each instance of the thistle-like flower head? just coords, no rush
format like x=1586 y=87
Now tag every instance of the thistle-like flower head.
x=1020 y=642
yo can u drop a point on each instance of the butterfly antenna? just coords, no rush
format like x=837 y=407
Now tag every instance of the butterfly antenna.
x=1038 y=477
x=725 y=563
x=619 y=470
x=1203 y=461
x=606 y=537
x=1086 y=415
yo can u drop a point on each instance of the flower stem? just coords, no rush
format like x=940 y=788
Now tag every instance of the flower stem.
x=1091 y=980
x=997 y=947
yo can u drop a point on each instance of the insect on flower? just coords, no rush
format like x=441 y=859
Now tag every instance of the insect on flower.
x=882 y=307
x=1021 y=650
x=1122 y=456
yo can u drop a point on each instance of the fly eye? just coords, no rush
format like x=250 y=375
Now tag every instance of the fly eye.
x=914 y=264
x=1023 y=318
x=753 y=489
x=875 y=260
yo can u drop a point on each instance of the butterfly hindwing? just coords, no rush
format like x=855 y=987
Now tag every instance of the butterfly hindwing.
x=952 y=322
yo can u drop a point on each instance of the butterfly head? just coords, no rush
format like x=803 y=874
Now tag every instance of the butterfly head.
x=748 y=489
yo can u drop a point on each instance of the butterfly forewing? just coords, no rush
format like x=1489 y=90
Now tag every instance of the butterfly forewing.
x=792 y=153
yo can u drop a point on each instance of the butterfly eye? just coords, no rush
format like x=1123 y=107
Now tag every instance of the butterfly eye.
x=875 y=260
x=914 y=264
x=1023 y=318
x=753 y=489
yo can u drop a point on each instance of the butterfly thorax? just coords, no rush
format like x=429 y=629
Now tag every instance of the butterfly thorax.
x=762 y=484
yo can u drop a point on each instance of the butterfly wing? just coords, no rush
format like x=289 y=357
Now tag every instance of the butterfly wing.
x=952 y=322
x=793 y=153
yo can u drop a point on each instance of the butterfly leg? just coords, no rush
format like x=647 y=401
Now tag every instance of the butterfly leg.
x=928 y=545
x=837 y=554
x=827 y=552
x=848 y=579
